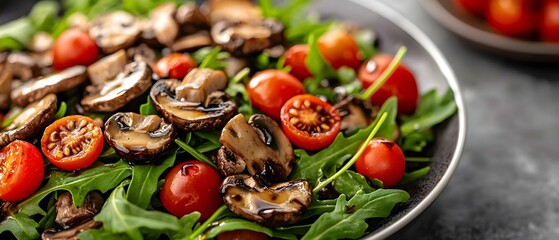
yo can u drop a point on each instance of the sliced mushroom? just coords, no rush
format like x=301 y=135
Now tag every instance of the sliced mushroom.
x=107 y=68
x=278 y=205
x=41 y=42
x=234 y=65
x=30 y=121
x=192 y=42
x=161 y=28
x=356 y=114
x=248 y=38
x=261 y=144
x=114 y=94
x=23 y=65
x=5 y=85
x=70 y=234
x=68 y=215
x=78 y=20
x=190 y=19
x=142 y=53
x=137 y=137
x=228 y=163
x=234 y=11
x=115 y=31
x=58 y=82
x=199 y=83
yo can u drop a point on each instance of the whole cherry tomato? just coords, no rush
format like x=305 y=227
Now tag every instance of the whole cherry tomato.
x=175 y=65
x=549 y=23
x=514 y=18
x=21 y=171
x=339 y=48
x=401 y=83
x=309 y=122
x=476 y=7
x=295 y=57
x=73 y=47
x=72 y=142
x=242 y=235
x=192 y=186
x=383 y=160
x=270 y=89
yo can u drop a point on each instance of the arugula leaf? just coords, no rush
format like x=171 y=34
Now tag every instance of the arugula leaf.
x=350 y=182
x=366 y=38
x=145 y=179
x=416 y=141
x=214 y=59
x=195 y=153
x=48 y=220
x=230 y=224
x=79 y=184
x=319 y=207
x=316 y=63
x=389 y=106
x=21 y=226
x=43 y=15
x=187 y=224
x=96 y=234
x=14 y=35
x=415 y=175
x=61 y=111
x=148 y=108
x=348 y=218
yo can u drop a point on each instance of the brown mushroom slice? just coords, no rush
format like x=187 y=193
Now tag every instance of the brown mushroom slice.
x=5 y=85
x=34 y=90
x=234 y=65
x=277 y=205
x=23 y=65
x=191 y=116
x=114 y=94
x=248 y=38
x=137 y=137
x=234 y=11
x=142 y=53
x=228 y=163
x=107 y=67
x=68 y=215
x=199 y=83
x=192 y=42
x=30 y=121
x=261 y=144
x=191 y=19
x=70 y=234
x=115 y=31
x=161 y=27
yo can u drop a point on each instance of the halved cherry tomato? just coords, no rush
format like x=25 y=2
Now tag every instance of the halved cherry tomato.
x=309 y=122
x=192 y=186
x=514 y=18
x=242 y=235
x=295 y=57
x=383 y=160
x=476 y=7
x=270 y=89
x=339 y=48
x=73 y=47
x=549 y=24
x=21 y=171
x=72 y=142
x=401 y=83
x=175 y=65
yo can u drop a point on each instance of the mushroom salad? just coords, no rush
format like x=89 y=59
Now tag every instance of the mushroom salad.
x=232 y=119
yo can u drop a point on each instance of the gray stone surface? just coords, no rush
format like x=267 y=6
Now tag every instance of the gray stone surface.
x=507 y=184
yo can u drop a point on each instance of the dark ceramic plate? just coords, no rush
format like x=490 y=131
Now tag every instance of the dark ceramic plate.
x=476 y=32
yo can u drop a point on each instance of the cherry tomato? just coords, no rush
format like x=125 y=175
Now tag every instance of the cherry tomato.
x=401 y=83
x=476 y=7
x=192 y=186
x=549 y=24
x=384 y=160
x=73 y=47
x=242 y=235
x=72 y=142
x=175 y=65
x=295 y=57
x=514 y=18
x=339 y=48
x=270 y=89
x=309 y=122
x=21 y=171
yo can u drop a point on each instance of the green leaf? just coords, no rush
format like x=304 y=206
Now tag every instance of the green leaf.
x=8 y=121
x=79 y=184
x=43 y=15
x=414 y=176
x=350 y=182
x=148 y=108
x=48 y=220
x=96 y=234
x=16 y=34
x=319 y=207
x=416 y=141
x=186 y=223
x=198 y=155
x=366 y=38
x=145 y=179
x=214 y=59
x=430 y=114
x=21 y=226
x=61 y=111
x=230 y=224
x=348 y=218
x=346 y=75
x=387 y=130
x=316 y=63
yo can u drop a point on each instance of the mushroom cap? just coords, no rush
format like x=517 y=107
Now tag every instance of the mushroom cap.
x=192 y=42
x=35 y=117
x=191 y=19
x=248 y=38
x=34 y=90
x=277 y=205
x=138 y=137
x=68 y=215
x=115 y=31
x=5 y=85
x=107 y=68
x=161 y=28
x=71 y=233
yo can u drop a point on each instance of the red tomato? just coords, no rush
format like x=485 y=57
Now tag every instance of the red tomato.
x=384 y=160
x=192 y=186
x=339 y=48
x=242 y=235
x=73 y=47
x=270 y=89
x=295 y=57
x=21 y=171
x=72 y=142
x=175 y=65
x=401 y=83
x=514 y=18
x=309 y=122
x=476 y=7
x=549 y=24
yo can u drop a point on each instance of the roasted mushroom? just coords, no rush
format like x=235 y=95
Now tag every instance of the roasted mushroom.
x=260 y=144
x=68 y=215
x=30 y=121
x=137 y=137
x=115 y=31
x=248 y=38
x=192 y=42
x=107 y=68
x=355 y=113
x=114 y=94
x=190 y=19
x=277 y=205
x=142 y=53
x=234 y=11
x=58 y=82
x=197 y=103
x=161 y=28
x=5 y=85
x=70 y=234
x=23 y=65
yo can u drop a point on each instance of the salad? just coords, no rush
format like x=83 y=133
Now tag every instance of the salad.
x=229 y=120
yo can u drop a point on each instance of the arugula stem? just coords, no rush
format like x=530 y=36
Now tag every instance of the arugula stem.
x=418 y=159
x=386 y=74
x=200 y=156
x=352 y=161
x=207 y=223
